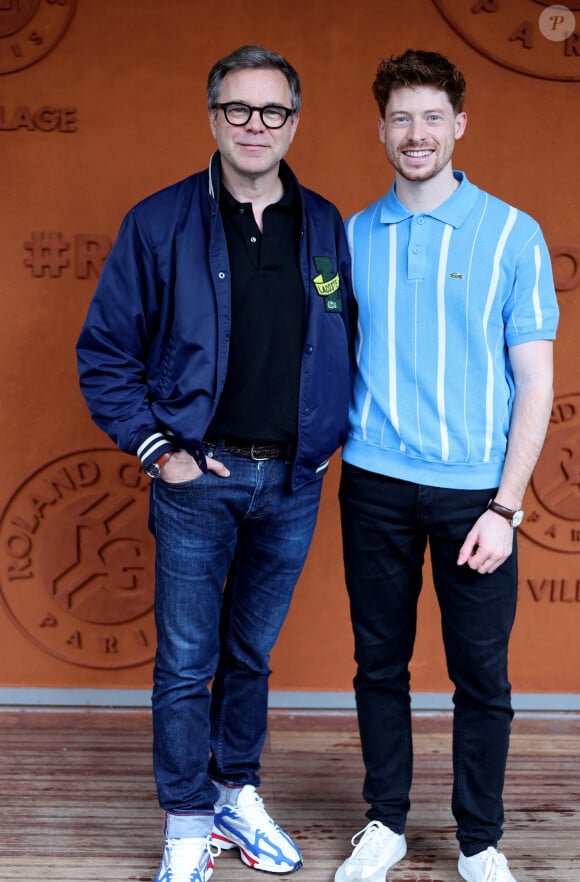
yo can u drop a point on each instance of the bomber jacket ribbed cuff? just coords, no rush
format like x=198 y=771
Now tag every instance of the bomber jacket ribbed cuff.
x=152 y=448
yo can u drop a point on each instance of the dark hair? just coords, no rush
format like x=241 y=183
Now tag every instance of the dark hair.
x=252 y=57
x=418 y=68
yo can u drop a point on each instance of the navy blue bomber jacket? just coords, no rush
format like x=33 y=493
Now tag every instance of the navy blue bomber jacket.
x=153 y=350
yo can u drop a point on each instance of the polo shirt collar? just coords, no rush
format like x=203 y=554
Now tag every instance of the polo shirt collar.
x=453 y=211
x=290 y=200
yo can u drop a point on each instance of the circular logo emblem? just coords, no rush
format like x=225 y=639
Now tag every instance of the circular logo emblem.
x=29 y=29
x=532 y=37
x=552 y=501
x=557 y=23
x=77 y=560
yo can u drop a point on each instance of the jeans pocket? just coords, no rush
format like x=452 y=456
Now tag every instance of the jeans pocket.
x=182 y=485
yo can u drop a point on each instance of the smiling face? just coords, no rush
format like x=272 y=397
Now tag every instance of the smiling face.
x=419 y=131
x=252 y=151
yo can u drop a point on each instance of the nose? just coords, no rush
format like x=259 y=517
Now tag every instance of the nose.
x=255 y=121
x=416 y=131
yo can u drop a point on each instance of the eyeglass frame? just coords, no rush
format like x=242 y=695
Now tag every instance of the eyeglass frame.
x=226 y=104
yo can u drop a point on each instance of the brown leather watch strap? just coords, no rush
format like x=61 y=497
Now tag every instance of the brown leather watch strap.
x=515 y=517
x=507 y=513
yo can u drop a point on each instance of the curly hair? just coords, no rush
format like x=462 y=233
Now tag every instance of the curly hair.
x=416 y=67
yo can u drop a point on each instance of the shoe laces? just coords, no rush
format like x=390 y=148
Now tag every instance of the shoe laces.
x=251 y=805
x=372 y=838
x=496 y=866
x=186 y=852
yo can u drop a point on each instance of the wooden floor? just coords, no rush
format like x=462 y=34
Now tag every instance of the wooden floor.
x=77 y=800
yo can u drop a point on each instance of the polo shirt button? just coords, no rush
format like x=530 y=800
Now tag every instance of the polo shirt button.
x=253 y=239
x=416 y=250
x=221 y=275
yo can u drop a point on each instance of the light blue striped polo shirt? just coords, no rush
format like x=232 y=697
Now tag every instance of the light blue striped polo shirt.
x=441 y=296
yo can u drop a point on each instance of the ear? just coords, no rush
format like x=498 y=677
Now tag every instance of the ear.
x=381 y=122
x=294 y=120
x=460 y=125
x=212 y=114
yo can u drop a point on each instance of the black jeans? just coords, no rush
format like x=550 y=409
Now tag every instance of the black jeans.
x=386 y=524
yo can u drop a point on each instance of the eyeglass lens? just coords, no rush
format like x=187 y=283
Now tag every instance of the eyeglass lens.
x=272 y=115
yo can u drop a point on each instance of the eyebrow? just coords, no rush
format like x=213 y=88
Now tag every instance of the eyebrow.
x=248 y=103
x=409 y=113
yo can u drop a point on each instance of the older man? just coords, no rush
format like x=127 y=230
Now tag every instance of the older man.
x=217 y=349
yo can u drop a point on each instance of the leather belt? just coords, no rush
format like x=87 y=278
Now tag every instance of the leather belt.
x=257 y=452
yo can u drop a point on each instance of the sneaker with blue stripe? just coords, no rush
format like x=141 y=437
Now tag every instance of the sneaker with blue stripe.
x=246 y=825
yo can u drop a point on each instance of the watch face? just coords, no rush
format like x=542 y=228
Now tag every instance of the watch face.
x=153 y=471
x=517 y=518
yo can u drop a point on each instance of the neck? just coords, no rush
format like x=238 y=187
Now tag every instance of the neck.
x=261 y=191
x=427 y=195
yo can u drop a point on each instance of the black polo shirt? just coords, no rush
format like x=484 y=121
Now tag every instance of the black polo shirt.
x=259 y=402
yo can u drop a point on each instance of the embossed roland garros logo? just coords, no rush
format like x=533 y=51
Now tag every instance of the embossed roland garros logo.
x=533 y=37
x=552 y=503
x=77 y=560
x=30 y=29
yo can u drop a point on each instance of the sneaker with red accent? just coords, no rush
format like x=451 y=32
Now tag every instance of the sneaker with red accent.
x=187 y=860
x=262 y=843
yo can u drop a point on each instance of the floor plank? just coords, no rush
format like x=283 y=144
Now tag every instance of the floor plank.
x=78 y=802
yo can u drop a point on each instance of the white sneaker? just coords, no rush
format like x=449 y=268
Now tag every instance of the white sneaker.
x=487 y=866
x=263 y=845
x=187 y=860
x=377 y=848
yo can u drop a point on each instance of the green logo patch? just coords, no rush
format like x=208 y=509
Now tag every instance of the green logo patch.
x=327 y=283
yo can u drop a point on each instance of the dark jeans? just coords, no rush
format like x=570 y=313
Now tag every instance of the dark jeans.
x=210 y=692
x=386 y=524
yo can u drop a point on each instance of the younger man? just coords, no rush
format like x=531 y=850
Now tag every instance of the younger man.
x=452 y=397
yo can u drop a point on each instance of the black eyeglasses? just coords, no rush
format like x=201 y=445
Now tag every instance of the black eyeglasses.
x=273 y=116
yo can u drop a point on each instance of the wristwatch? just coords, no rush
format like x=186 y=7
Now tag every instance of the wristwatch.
x=154 y=470
x=515 y=517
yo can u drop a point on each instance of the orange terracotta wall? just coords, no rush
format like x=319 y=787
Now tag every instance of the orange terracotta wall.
x=103 y=102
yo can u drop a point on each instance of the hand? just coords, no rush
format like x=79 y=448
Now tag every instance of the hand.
x=182 y=467
x=488 y=544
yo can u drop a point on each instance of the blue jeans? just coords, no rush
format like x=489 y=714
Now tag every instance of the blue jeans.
x=386 y=525
x=229 y=552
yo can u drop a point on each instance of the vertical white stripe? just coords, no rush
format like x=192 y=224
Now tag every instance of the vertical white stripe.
x=474 y=244
x=416 y=349
x=491 y=294
x=365 y=414
x=392 y=352
x=442 y=341
x=536 y=291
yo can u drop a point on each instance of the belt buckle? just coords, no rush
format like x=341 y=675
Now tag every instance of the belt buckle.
x=258 y=458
